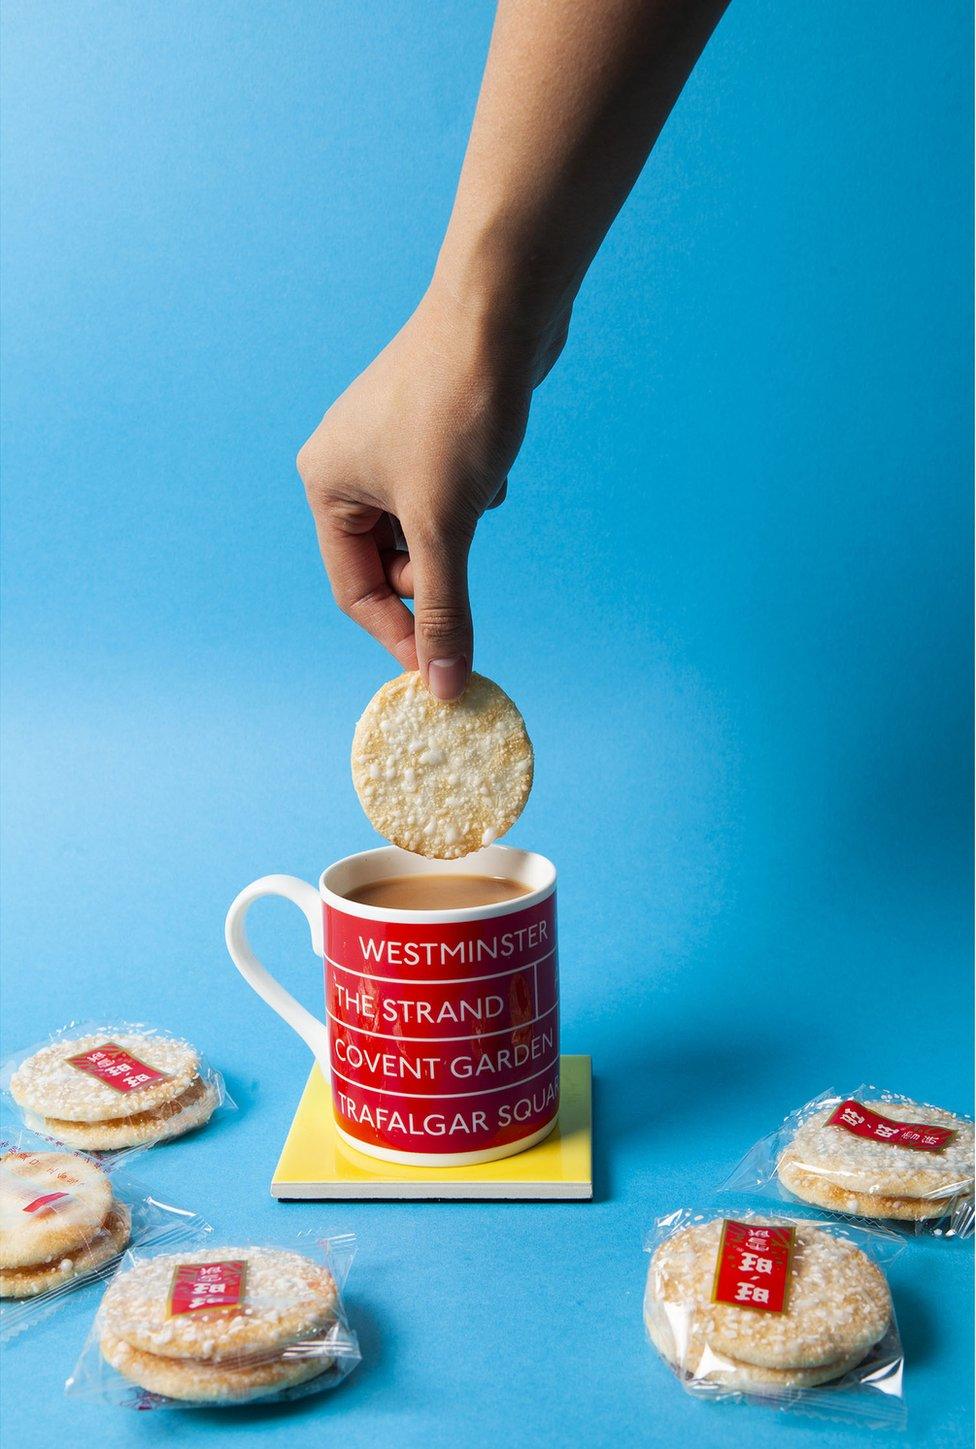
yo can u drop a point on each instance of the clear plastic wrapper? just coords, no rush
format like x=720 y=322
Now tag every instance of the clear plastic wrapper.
x=870 y=1154
x=788 y=1311
x=66 y=1220
x=221 y=1327
x=112 y=1088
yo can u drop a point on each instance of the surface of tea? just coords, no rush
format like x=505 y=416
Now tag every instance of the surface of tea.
x=430 y=892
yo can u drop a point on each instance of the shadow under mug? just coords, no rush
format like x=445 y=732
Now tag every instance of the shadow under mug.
x=441 y=1031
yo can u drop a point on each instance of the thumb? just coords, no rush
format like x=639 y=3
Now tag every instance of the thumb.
x=442 y=613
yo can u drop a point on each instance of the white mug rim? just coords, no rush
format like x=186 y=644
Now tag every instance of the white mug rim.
x=521 y=862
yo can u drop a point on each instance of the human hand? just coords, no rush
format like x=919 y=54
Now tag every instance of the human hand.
x=573 y=97
x=425 y=436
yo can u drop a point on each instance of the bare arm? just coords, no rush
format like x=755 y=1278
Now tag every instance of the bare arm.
x=575 y=94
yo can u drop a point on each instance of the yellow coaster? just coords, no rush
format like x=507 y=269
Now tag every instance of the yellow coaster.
x=316 y=1163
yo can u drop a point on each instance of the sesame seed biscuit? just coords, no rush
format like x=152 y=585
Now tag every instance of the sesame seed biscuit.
x=200 y=1382
x=107 y=1243
x=287 y=1298
x=860 y=1164
x=837 y=1303
x=812 y=1188
x=698 y=1362
x=56 y=1228
x=171 y=1119
x=49 y=1086
x=439 y=779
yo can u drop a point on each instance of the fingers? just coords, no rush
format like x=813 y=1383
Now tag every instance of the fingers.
x=442 y=615
x=362 y=589
x=396 y=561
x=399 y=572
x=371 y=575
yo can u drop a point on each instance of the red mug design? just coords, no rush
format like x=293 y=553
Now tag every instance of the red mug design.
x=441 y=1037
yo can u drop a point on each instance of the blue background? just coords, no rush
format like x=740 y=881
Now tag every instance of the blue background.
x=730 y=591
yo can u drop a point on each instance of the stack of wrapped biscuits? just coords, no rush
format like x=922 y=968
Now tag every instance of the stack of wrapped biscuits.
x=59 y=1221
x=877 y=1176
x=103 y=1092
x=836 y=1307
x=219 y=1325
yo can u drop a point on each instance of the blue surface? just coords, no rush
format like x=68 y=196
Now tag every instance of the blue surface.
x=729 y=590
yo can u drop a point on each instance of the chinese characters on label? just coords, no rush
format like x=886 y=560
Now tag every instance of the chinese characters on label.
x=854 y=1117
x=117 y=1068
x=753 y=1266
x=206 y=1285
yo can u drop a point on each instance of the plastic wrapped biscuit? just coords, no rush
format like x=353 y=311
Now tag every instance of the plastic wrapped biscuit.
x=870 y=1154
x=792 y=1312
x=220 y=1326
x=59 y=1221
x=113 y=1087
x=65 y=1221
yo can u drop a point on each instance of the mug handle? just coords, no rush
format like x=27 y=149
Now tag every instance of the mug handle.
x=312 y=1031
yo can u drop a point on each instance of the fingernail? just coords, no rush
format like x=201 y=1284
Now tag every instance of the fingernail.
x=446 y=678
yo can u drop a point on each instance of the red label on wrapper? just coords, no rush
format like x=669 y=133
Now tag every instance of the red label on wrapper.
x=43 y=1202
x=859 y=1120
x=117 y=1068
x=206 y=1285
x=753 y=1266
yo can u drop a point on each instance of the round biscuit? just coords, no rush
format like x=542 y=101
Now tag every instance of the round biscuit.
x=861 y=1164
x=53 y=1229
x=191 y=1109
x=287 y=1298
x=441 y=780
x=705 y=1366
x=811 y=1187
x=200 y=1382
x=107 y=1243
x=837 y=1303
x=49 y=1086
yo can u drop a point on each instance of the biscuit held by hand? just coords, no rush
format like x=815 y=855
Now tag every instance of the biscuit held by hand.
x=441 y=779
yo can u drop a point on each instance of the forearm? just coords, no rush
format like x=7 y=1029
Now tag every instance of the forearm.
x=574 y=96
